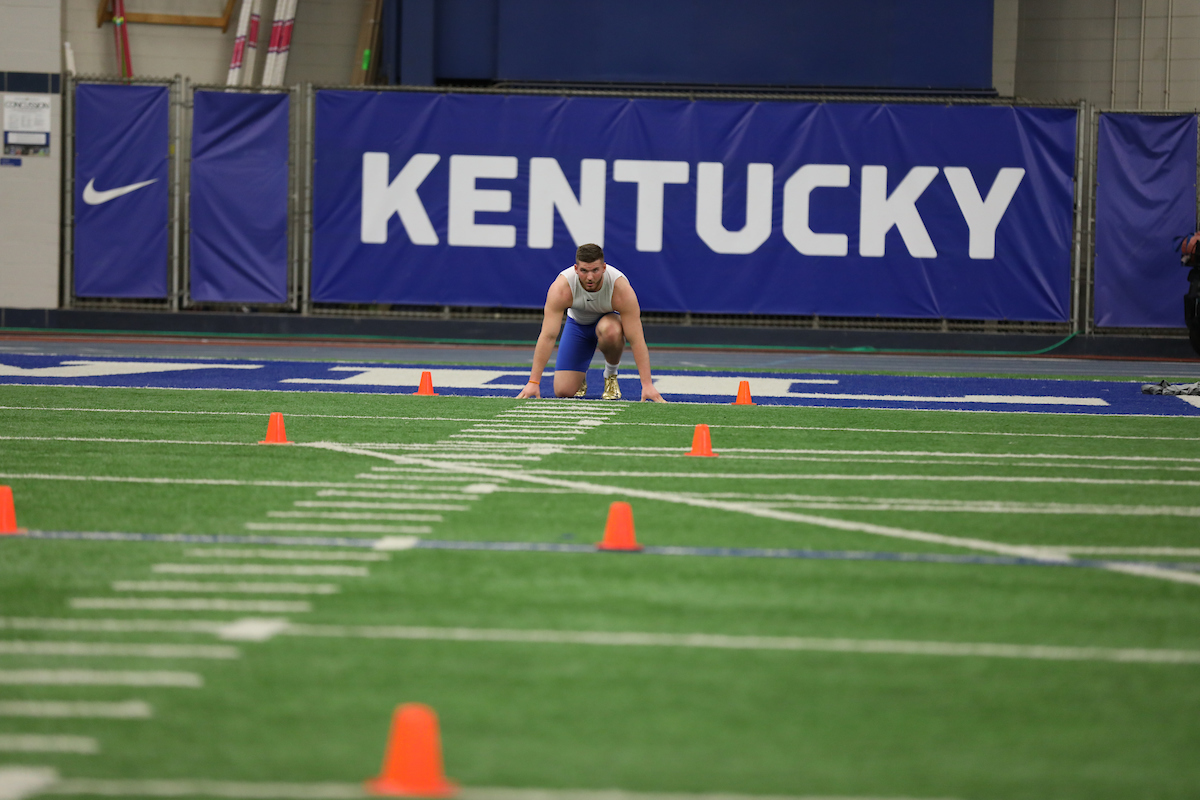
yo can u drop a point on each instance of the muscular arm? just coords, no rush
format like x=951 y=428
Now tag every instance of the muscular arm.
x=625 y=302
x=558 y=299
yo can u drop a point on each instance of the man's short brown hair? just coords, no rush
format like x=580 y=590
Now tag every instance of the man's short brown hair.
x=588 y=253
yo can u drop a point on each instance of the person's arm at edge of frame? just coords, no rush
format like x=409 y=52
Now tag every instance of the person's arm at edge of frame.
x=625 y=303
x=558 y=299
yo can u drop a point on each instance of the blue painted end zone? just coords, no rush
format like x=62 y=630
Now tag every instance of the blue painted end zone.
x=800 y=389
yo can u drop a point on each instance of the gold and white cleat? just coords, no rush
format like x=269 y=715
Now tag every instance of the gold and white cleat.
x=612 y=391
x=582 y=388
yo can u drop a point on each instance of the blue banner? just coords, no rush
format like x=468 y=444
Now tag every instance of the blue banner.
x=239 y=196
x=121 y=140
x=709 y=207
x=1145 y=201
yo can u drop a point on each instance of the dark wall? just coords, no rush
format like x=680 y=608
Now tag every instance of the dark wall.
x=889 y=44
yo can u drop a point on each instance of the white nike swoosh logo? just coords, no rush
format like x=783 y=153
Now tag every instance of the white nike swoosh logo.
x=95 y=198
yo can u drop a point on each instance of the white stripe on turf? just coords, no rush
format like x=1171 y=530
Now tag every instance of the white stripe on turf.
x=111 y=440
x=1125 y=551
x=230 y=790
x=56 y=709
x=190 y=604
x=387 y=506
x=96 y=677
x=189 y=481
x=242 y=414
x=298 y=555
x=396 y=495
x=631 y=639
x=317 y=527
x=415 y=475
x=785 y=516
x=109 y=625
x=829 y=476
x=110 y=650
x=218 y=587
x=40 y=743
x=298 y=570
x=785 y=643
x=350 y=515
x=917 y=432
x=18 y=783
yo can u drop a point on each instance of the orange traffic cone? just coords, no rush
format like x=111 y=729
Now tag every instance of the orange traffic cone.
x=412 y=765
x=743 y=398
x=702 y=442
x=8 y=514
x=275 y=432
x=426 y=387
x=618 y=532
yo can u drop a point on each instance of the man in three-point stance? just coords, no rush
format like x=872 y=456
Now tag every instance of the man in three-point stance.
x=602 y=311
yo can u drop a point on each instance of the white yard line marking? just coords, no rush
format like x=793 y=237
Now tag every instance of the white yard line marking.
x=19 y=783
x=824 y=476
x=107 y=650
x=224 y=588
x=251 y=629
x=242 y=414
x=65 y=709
x=111 y=440
x=970 y=543
x=288 y=554
x=316 y=527
x=41 y=743
x=441 y=451
x=627 y=639
x=390 y=506
x=851 y=503
x=97 y=677
x=182 y=481
x=1191 y=400
x=109 y=625
x=549 y=437
x=412 y=474
x=932 y=454
x=190 y=604
x=352 y=515
x=786 y=643
x=323 y=570
x=917 y=432
x=395 y=495
x=1124 y=551
x=229 y=790
x=396 y=543
x=379 y=481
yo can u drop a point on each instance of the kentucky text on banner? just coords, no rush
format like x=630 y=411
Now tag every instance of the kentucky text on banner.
x=709 y=207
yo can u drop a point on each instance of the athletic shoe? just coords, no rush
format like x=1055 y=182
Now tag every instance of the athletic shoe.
x=611 y=390
x=582 y=388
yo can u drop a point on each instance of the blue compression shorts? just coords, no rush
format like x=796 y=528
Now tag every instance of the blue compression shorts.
x=576 y=346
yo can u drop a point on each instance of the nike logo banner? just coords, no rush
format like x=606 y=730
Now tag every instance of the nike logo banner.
x=121 y=205
x=94 y=197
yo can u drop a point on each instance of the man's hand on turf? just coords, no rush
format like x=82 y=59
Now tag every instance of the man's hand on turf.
x=531 y=390
x=651 y=395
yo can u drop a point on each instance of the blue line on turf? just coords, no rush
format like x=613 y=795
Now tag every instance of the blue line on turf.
x=554 y=547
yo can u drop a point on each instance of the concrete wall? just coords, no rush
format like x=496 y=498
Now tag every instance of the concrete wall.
x=1066 y=50
x=29 y=193
x=323 y=41
x=1005 y=18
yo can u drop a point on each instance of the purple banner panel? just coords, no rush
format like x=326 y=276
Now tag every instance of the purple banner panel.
x=838 y=209
x=239 y=198
x=121 y=137
x=1145 y=201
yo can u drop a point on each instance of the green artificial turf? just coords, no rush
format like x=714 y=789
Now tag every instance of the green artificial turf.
x=639 y=718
